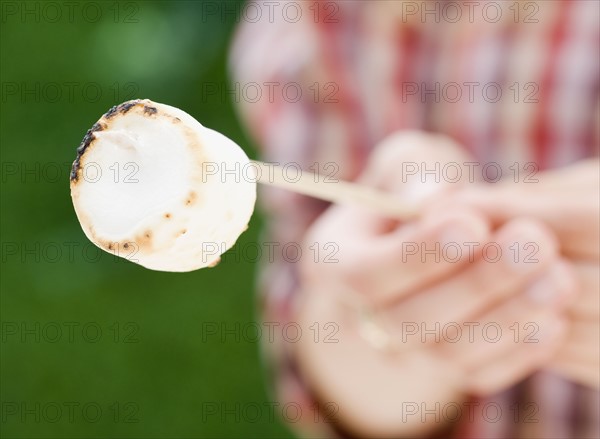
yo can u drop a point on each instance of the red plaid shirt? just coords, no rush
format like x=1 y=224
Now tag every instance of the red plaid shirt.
x=379 y=67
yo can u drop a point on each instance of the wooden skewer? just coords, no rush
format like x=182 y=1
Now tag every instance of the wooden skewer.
x=341 y=192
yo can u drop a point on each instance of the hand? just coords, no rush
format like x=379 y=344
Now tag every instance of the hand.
x=567 y=201
x=374 y=369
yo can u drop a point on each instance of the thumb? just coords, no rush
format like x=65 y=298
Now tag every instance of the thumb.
x=417 y=167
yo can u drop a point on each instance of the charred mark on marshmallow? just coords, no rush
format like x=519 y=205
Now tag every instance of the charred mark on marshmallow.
x=144 y=241
x=149 y=110
x=167 y=215
x=83 y=146
x=139 y=242
x=191 y=198
x=122 y=108
x=115 y=247
x=176 y=120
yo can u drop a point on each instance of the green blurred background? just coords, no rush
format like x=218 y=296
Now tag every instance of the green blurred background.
x=152 y=371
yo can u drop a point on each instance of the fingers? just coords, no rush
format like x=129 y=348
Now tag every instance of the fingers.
x=400 y=164
x=578 y=358
x=387 y=169
x=517 y=363
x=518 y=321
x=389 y=266
x=577 y=177
x=412 y=259
x=571 y=214
x=582 y=345
x=522 y=249
x=585 y=373
x=587 y=305
x=368 y=386
x=372 y=251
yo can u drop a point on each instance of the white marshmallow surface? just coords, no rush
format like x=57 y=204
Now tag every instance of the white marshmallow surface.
x=154 y=186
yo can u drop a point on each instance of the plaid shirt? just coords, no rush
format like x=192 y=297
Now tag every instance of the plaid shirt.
x=379 y=67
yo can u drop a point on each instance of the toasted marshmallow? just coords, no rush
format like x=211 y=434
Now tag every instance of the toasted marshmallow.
x=152 y=185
